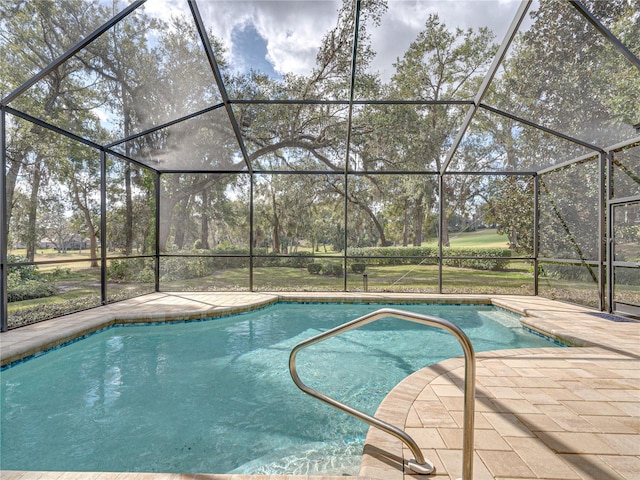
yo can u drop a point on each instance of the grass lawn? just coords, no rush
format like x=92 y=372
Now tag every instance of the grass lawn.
x=397 y=278
x=479 y=238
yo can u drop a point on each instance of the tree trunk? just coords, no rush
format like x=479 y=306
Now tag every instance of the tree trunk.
x=444 y=231
x=167 y=206
x=419 y=222
x=86 y=213
x=128 y=220
x=513 y=238
x=204 y=231
x=32 y=236
x=275 y=230
x=275 y=237
x=405 y=223
x=12 y=178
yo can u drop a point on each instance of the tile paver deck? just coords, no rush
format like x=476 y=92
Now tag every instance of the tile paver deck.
x=556 y=413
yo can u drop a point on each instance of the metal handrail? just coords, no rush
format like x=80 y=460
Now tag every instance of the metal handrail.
x=419 y=464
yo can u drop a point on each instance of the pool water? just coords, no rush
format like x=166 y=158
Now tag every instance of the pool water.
x=216 y=396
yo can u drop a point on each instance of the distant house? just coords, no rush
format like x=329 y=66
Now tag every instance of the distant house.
x=75 y=242
x=45 y=243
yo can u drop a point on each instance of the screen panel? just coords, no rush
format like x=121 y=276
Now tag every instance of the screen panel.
x=131 y=209
x=46 y=291
x=204 y=213
x=625 y=173
x=197 y=273
x=572 y=283
x=569 y=221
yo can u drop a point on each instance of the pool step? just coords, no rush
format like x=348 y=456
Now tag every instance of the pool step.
x=506 y=319
x=336 y=457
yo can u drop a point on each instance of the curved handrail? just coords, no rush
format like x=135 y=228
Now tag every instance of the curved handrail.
x=419 y=464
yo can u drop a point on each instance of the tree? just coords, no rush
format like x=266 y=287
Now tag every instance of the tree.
x=439 y=65
x=33 y=35
x=510 y=207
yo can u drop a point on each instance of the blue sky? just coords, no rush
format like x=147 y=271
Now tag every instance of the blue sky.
x=252 y=49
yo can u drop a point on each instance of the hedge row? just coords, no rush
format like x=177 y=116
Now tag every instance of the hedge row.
x=29 y=290
x=582 y=273
x=491 y=258
x=198 y=263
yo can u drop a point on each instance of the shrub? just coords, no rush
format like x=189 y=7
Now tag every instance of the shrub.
x=495 y=258
x=59 y=273
x=314 y=268
x=26 y=316
x=29 y=290
x=332 y=269
x=24 y=282
x=298 y=260
x=498 y=258
x=577 y=273
x=358 y=267
x=627 y=276
x=24 y=272
x=131 y=270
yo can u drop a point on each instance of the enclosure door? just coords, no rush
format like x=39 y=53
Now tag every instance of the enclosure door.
x=624 y=274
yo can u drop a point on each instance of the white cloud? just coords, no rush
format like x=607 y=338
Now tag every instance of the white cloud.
x=165 y=9
x=405 y=19
x=292 y=30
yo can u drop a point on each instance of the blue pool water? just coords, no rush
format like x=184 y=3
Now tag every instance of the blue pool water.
x=216 y=396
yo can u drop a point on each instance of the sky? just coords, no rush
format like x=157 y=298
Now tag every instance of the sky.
x=278 y=37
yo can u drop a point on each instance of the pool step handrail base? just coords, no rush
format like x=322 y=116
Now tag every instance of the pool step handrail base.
x=426 y=468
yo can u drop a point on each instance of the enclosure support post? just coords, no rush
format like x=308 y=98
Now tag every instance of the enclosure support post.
x=440 y=227
x=103 y=227
x=602 y=230
x=156 y=268
x=354 y=54
x=345 y=224
x=536 y=217
x=4 y=225
x=609 y=239
x=251 y=237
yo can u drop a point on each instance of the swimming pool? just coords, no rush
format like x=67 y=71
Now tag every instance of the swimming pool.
x=216 y=396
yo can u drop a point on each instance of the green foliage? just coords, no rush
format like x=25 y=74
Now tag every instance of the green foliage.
x=497 y=258
x=332 y=269
x=26 y=316
x=627 y=276
x=568 y=222
x=358 y=267
x=295 y=260
x=29 y=290
x=22 y=273
x=577 y=273
x=131 y=270
x=510 y=208
x=314 y=268
x=24 y=282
